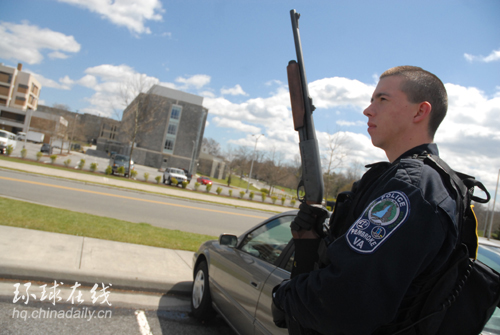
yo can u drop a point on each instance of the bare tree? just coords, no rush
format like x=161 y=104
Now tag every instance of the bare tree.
x=139 y=110
x=332 y=160
x=212 y=146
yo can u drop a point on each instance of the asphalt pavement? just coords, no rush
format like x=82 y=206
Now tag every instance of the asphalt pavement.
x=37 y=255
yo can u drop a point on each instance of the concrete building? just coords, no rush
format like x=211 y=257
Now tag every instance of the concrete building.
x=170 y=128
x=19 y=93
x=18 y=89
x=86 y=128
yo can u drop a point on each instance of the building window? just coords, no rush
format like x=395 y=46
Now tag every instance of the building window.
x=5 y=77
x=169 y=144
x=34 y=89
x=3 y=102
x=22 y=88
x=20 y=101
x=176 y=112
x=172 y=129
x=4 y=90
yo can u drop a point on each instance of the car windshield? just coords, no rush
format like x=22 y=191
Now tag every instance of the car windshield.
x=177 y=171
x=3 y=135
x=121 y=158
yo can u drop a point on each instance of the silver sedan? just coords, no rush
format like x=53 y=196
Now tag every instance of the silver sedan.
x=235 y=275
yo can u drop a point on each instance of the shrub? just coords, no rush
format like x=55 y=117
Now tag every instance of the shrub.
x=251 y=195
x=39 y=155
x=196 y=186
x=108 y=170
x=283 y=199
x=9 y=149
x=158 y=179
x=292 y=202
x=93 y=167
x=53 y=159
x=24 y=152
x=133 y=173
x=264 y=196
x=208 y=188
x=230 y=193
x=81 y=164
x=273 y=199
x=185 y=183
x=67 y=162
x=146 y=176
x=242 y=194
x=174 y=181
x=264 y=190
x=218 y=190
x=120 y=170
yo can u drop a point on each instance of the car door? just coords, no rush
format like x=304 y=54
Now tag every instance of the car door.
x=239 y=274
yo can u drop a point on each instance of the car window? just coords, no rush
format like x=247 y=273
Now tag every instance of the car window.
x=490 y=256
x=268 y=241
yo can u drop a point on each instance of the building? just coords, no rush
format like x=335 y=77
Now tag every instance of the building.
x=18 y=89
x=170 y=126
x=19 y=93
x=87 y=128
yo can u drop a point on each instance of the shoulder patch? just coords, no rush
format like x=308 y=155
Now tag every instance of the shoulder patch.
x=379 y=221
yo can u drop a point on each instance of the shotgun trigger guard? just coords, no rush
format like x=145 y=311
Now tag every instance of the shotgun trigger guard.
x=299 y=188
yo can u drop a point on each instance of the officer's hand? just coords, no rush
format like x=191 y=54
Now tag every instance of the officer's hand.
x=279 y=316
x=309 y=221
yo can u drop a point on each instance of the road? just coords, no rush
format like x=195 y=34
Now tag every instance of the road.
x=133 y=206
x=130 y=313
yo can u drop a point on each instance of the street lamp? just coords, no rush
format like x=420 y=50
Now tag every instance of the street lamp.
x=253 y=157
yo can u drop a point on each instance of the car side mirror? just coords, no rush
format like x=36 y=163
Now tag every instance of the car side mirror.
x=229 y=240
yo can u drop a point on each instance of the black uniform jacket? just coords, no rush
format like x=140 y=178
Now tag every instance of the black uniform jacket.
x=403 y=227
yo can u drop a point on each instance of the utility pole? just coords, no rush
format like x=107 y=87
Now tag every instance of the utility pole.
x=253 y=157
x=493 y=208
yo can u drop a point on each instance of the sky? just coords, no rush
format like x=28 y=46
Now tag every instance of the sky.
x=234 y=54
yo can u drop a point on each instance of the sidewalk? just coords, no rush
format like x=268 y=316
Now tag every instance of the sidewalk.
x=37 y=255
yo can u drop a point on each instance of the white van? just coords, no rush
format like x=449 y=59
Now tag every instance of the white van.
x=7 y=138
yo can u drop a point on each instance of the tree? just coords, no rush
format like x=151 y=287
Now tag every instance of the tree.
x=332 y=160
x=212 y=146
x=138 y=114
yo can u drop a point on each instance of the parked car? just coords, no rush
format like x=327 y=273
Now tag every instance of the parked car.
x=204 y=180
x=188 y=175
x=243 y=271
x=489 y=253
x=45 y=148
x=235 y=275
x=173 y=173
x=120 y=160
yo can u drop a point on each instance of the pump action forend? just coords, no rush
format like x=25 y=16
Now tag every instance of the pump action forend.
x=302 y=108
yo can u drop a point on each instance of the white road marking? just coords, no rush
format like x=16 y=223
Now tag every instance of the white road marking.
x=143 y=323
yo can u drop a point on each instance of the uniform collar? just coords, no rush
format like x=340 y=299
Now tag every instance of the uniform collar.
x=430 y=148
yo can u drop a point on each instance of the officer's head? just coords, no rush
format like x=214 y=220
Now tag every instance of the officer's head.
x=419 y=86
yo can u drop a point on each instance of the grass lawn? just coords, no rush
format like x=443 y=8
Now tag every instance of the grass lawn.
x=27 y=215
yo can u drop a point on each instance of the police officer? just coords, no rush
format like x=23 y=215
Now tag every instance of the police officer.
x=398 y=226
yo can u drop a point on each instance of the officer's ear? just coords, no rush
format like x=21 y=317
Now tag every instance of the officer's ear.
x=422 y=112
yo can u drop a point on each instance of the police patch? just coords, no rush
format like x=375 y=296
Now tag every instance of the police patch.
x=379 y=221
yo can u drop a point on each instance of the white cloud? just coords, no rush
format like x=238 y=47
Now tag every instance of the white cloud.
x=336 y=91
x=236 y=125
x=196 y=81
x=344 y=123
x=492 y=57
x=131 y=14
x=236 y=90
x=25 y=43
